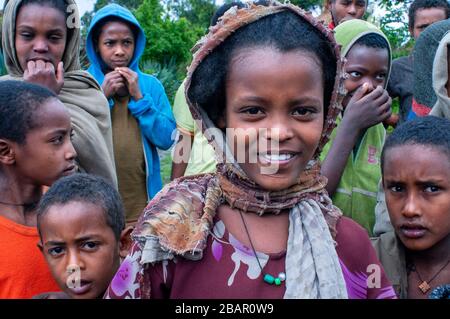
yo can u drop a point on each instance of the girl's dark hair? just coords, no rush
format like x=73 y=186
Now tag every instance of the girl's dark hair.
x=373 y=40
x=284 y=31
x=427 y=131
x=60 y=5
x=19 y=102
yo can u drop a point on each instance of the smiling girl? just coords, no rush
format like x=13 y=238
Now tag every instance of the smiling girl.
x=251 y=231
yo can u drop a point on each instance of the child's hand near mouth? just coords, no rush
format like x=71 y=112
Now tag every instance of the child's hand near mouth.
x=44 y=73
x=367 y=107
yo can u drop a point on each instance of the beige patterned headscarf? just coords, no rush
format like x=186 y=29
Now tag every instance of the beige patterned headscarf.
x=178 y=220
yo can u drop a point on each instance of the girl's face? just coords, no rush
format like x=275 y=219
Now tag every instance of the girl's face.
x=41 y=34
x=365 y=65
x=274 y=114
x=48 y=153
x=116 y=45
x=416 y=180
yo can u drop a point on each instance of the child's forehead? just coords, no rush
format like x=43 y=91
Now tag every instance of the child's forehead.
x=435 y=154
x=75 y=211
x=361 y=53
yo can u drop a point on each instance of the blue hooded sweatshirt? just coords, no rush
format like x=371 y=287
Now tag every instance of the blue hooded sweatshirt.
x=153 y=112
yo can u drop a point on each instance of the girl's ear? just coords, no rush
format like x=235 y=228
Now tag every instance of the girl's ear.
x=125 y=242
x=7 y=154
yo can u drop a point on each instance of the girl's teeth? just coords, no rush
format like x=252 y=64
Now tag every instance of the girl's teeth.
x=277 y=158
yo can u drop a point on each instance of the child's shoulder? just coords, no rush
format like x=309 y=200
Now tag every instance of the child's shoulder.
x=353 y=242
x=350 y=232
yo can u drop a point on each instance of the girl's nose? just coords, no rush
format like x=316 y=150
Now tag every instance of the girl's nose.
x=411 y=208
x=280 y=132
x=40 y=45
x=119 y=51
x=351 y=10
x=372 y=84
x=71 y=153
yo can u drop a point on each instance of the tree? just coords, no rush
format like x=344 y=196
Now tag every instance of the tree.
x=130 y=4
x=395 y=25
x=166 y=38
x=197 y=12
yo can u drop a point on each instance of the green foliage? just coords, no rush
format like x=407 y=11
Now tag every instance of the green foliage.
x=197 y=12
x=3 y=70
x=167 y=73
x=394 y=24
x=166 y=167
x=166 y=38
x=87 y=17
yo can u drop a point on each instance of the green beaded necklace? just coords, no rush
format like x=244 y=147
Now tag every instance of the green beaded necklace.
x=268 y=278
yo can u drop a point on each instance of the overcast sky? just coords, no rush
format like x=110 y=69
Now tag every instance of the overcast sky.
x=83 y=5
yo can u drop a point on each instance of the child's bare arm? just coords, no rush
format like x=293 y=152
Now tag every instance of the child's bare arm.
x=363 y=111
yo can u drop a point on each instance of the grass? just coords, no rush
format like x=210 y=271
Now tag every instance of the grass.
x=166 y=167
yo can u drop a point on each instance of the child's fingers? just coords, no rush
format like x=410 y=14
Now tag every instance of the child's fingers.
x=31 y=67
x=360 y=92
x=383 y=98
x=385 y=110
x=114 y=76
x=60 y=72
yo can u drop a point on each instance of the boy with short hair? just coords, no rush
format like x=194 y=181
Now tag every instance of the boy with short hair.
x=421 y=14
x=82 y=232
x=416 y=252
x=35 y=151
x=342 y=10
x=351 y=159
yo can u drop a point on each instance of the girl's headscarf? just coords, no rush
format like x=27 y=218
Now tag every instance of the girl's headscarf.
x=179 y=219
x=441 y=78
x=424 y=53
x=81 y=94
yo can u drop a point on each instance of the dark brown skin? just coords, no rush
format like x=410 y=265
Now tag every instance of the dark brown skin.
x=366 y=105
x=268 y=89
x=116 y=45
x=417 y=189
x=342 y=10
x=46 y=156
x=40 y=41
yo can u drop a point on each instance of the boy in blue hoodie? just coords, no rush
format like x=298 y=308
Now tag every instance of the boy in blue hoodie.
x=141 y=114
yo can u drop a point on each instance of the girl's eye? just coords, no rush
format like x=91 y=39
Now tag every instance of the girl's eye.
x=90 y=245
x=253 y=111
x=432 y=189
x=26 y=35
x=302 y=111
x=396 y=188
x=72 y=135
x=55 y=251
x=58 y=140
x=355 y=74
x=381 y=76
x=55 y=37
